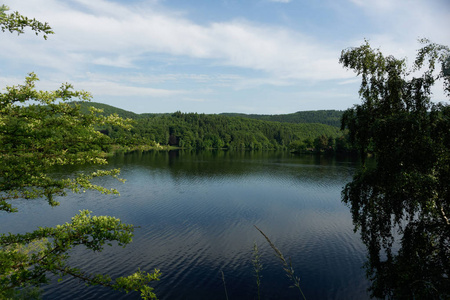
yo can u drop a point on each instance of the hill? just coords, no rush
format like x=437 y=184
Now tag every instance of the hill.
x=298 y=131
x=108 y=109
x=327 y=117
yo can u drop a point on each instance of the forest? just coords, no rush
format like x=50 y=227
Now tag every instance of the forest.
x=328 y=117
x=313 y=131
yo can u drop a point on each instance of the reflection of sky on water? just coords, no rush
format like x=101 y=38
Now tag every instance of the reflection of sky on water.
x=196 y=215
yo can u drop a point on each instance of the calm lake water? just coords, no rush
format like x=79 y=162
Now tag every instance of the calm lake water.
x=197 y=212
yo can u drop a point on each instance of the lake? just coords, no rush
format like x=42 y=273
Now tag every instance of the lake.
x=196 y=213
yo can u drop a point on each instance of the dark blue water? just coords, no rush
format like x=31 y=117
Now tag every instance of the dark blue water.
x=197 y=212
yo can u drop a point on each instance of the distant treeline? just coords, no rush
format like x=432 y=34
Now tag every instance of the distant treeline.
x=327 y=117
x=230 y=131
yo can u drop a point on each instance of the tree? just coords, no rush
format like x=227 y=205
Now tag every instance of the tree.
x=403 y=198
x=15 y=22
x=40 y=130
x=321 y=143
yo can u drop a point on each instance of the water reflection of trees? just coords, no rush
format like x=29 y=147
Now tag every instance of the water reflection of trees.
x=408 y=239
x=187 y=164
x=401 y=204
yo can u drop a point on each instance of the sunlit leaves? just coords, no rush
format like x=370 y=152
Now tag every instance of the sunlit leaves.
x=40 y=130
x=15 y=22
x=26 y=258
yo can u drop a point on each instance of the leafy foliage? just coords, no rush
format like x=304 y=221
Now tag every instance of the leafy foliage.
x=405 y=193
x=107 y=110
x=15 y=22
x=38 y=131
x=47 y=250
x=44 y=133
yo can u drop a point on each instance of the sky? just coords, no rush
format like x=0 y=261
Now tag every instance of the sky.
x=215 y=56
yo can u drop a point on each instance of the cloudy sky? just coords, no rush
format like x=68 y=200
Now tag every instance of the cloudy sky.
x=213 y=56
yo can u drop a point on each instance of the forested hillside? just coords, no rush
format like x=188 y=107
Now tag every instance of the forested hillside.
x=211 y=131
x=107 y=110
x=328 y=117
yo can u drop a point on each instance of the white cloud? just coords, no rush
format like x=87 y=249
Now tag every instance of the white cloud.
x=408 y=20
x=110 y=34
x=143 y=48
x=108 y=88
x=98 y=86
x=10 y=81
x=193 y=99
x=120 y=62
x=384 y=5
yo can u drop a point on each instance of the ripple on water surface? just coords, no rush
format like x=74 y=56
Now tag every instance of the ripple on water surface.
x=196 y=218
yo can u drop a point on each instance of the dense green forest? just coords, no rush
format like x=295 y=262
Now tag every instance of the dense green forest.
x=327 y=117
x=301 y=131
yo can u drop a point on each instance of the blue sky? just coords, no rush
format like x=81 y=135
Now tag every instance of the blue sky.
x=213 y=56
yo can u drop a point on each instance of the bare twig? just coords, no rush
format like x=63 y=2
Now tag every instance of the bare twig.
x=224 y=285
x=287 y=267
